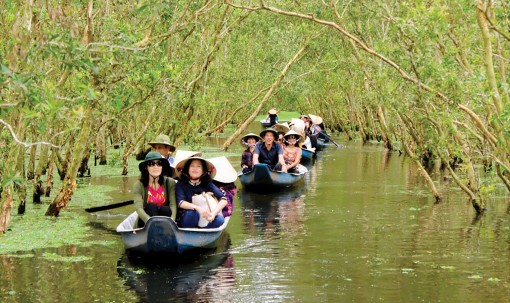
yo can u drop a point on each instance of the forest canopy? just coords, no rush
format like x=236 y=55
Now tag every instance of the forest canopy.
x=426 y=78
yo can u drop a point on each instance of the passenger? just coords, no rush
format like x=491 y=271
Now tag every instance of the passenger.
x=272 y=116
x=195 y=178
x=162 y=145
x=248 y=140
x=153 y=191
x=269 y=152
x=282 y=129
x=315 y=127
x=292 y=153
x=225 y=180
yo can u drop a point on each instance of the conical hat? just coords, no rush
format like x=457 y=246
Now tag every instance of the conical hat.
x=281 y=127
x=225 y=172
x=210 y=169
x=183 y=154
x=293 y=132
x=245 y=138
x=272 y=111
x=274 y=132
x=315 y=119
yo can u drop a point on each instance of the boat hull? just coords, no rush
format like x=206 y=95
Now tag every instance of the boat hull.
x=161 y=235
x=307 y=155
x=261 y=177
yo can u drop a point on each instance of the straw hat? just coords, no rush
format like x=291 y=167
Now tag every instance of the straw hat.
x=244 y=139
x=225 y=171
x=293 y=133
x=210 y=170
x=315 y=119
x=272 y=111
x=162 y=139
x=274 y=132
x=151 y=156
x=282 y=127
x=181 y=155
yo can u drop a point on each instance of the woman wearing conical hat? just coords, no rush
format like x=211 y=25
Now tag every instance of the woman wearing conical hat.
x=195 y=178
x=292 y=152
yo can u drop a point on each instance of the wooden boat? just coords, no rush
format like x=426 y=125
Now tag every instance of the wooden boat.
x=265 y=123
x=261 y=178
x=161 y=235
x=307 y=155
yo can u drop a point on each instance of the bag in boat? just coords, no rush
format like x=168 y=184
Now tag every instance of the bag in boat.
x=207 y=201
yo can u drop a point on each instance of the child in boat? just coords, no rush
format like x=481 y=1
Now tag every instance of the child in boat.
x=248 y=140
x=195 y=178
x=153 y=191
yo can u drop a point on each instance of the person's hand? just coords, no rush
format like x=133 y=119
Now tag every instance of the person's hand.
x=209 y=216
x=284 y=168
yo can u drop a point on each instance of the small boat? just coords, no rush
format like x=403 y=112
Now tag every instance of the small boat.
x=307 y=155
x=262 y=178
x=162 y=235
x=265 y=123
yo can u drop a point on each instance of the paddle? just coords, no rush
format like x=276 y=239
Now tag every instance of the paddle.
x=109 y=206
x=327 y=136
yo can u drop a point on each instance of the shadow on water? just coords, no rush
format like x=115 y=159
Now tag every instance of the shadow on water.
x=198 y=277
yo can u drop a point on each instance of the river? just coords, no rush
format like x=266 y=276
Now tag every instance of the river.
x=362 y=228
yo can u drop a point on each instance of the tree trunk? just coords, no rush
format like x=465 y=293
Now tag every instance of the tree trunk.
x=50 y=173
x=269 y=93
x=69 y=184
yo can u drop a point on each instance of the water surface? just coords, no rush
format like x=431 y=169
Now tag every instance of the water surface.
x=362 y=228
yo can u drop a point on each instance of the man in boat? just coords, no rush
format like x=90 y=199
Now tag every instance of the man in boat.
x=272 y=116
x=269 y=152
x=162 y=145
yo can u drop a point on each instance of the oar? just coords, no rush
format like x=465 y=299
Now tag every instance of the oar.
x=109 y=206
x=327 y=136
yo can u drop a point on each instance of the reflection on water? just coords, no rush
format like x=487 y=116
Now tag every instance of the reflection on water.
x=363 y=228
x=196 y=278
x=271 y=214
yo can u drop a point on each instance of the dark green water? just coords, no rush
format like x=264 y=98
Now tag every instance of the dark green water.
x=363 y=228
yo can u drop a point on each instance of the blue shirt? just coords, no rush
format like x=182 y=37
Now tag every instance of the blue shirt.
x=184 y=191
x=270 y=156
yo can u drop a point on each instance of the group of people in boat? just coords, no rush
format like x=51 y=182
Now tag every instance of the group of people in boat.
x=280 y=146
x=160 y=183
x=162 y=180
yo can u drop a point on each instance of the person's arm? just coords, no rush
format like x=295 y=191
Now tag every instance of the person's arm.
x=256 y=155
x=281 y=160
x=296 y=161
x=138 y=190
x=183 y=200
x=222 y=200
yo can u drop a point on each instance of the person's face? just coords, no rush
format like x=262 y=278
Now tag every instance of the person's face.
x=280 y=138
x=268 y=137
x=196 y=169
x=162 y=149
x=155 y=167
x=292 y=139
x=251 y=141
